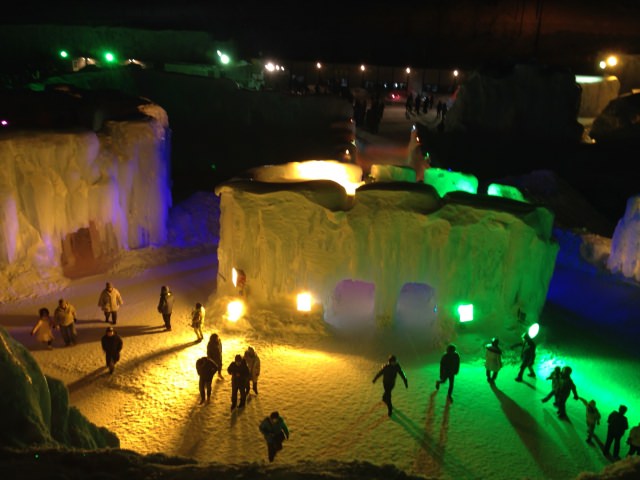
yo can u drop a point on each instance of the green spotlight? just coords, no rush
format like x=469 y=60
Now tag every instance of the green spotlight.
x=533 y=330
x=109 y=57
x=63 y=53
x=465 y=312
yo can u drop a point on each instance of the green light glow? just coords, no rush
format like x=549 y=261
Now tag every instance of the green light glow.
x=505 y=191
x=445 y=181
x=533 y=330
x=224 y=58
x=109 y=57
x=465 y=312
x=64 y=53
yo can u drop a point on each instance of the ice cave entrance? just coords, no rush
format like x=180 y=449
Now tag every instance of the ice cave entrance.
x=352 y=306
x=79 y=257
x=416 y=307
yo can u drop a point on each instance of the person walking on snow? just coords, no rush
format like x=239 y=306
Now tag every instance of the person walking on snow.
x=206 y=369
x=527 y=356
x=275 y=431
x=493 y=359
x=112 y=346
x=239 y=378
x=593 y=418
x=565 y=388
x=214 y=352
x=197 y=321
x=449 y=368
x=252 y=360
x=64 y=318
x=43 y=329
x=110 y=301
x=618 y=424
x=555 y=377
x=165 y=306
x=389 y=372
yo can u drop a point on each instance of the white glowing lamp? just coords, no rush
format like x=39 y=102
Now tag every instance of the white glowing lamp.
x=304 y=302
x=465 y=312
x=235 y=310
x=612 y=60
x=234 y=277
x=533 y=330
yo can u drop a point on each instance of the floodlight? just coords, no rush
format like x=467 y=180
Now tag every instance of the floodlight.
x=304 y=302
x=63 y=53
x=612 y=60
x=465 y=312
x=235 y=310
x=109 y=57
x=533 y=330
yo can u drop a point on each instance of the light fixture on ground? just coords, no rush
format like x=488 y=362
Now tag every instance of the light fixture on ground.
x=465 y=312
x=304 y=302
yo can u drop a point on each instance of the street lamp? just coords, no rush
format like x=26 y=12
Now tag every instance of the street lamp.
x=362 y=69
x=408 y=70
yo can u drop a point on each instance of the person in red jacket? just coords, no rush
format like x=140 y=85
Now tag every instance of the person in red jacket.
x=389 y=372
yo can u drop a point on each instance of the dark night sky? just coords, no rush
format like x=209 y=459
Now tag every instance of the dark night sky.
x=421 y=33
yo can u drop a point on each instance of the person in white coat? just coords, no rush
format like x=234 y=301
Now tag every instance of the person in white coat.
x=110 y=301
x=43 y=329
x=253 y=362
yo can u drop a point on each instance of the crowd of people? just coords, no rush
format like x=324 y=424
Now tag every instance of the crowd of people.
x=244 y=370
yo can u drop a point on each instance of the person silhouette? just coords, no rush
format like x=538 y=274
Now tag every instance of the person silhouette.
x=449 y=368
x=388 y=372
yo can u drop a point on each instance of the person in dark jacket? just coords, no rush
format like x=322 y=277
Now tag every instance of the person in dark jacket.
x=206 y=369
x=388 y=372
x=449 y=368
x=618 y=424
x=565 y=387
x=165 y=306
x=555 y=376
x=111 y=345
x=493 y=359
x=214 y=352
x=239 y=378
x=275 y=431
x=527 y=356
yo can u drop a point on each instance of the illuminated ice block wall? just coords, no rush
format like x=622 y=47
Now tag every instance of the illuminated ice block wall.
x=492 y=252
x=113 y=186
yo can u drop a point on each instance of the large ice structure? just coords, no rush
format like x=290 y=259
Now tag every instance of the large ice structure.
x=34 y=408
x=625 y=244
x=394 y=253
x=72 y=198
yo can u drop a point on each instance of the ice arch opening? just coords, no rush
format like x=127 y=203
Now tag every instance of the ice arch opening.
x=352 y=305
x=416 y=307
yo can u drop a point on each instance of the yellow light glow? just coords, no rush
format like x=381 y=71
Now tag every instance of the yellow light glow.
x=408 y=70
x=270 y=67
x=304 y=302
x=318 y=65
x=612 y=60
x=235 y=310
x=455 y=73
x=328 y=170
x=362 y=67
x=234 y=277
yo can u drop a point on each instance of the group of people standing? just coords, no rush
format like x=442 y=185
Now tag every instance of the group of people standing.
x=64 y=319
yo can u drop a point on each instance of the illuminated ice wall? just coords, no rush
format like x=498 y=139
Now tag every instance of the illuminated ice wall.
x=625 y=244
x=107 y=190
x=492 y=252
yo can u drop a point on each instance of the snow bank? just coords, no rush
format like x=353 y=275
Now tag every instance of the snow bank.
x=35 y=411
x=625 y=244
